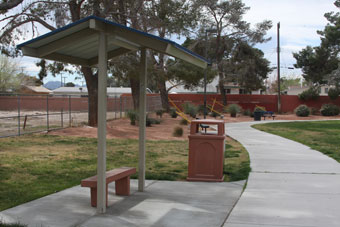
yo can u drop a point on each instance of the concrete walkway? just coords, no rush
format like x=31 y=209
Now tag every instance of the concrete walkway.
x=164 y=203
x=290 y=184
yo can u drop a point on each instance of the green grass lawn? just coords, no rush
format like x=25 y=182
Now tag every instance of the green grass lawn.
x=32 y=166
x=323 y=136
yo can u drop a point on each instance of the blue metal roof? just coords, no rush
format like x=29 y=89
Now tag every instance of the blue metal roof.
x=35 y=40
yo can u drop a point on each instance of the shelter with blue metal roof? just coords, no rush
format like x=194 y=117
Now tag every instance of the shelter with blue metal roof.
x=91 y=42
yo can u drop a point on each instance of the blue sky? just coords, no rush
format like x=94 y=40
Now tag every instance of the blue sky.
x=299 y=19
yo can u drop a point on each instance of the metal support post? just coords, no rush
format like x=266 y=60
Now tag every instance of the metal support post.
x=19 y=115
x=102 y=107
x=120 y=105
x=142 y=121
x=62 y=118
x=69 y=111
x=47 y=114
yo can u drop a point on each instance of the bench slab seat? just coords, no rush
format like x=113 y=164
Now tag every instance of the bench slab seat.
x=120 y=175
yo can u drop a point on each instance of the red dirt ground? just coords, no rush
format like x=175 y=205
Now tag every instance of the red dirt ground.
x=121 y=128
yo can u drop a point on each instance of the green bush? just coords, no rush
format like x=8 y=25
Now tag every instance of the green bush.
x=154 y=121
x=148 y=122
x=201 y=109
x=329 y=110
x=302 y=111
x=247 y=112
x=183 y=122
x=132 y=115
x=309 y=94
x=214 y=114
x=12 y=225
x=333 y=93
x=233 y=109
x=160 y=113
x=190 y=109
x=178 y=132
x=173 y=113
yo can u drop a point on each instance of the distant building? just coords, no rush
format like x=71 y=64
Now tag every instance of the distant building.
x=235 y=89
x=82 y=91
x=296 y=90
x=230 y=88
x=36 y=90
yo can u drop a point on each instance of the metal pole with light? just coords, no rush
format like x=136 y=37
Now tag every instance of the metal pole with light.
x=206 y=69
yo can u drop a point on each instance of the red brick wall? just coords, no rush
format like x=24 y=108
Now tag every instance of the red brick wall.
x=245 y=101
x=39 y=103
x=288 y=102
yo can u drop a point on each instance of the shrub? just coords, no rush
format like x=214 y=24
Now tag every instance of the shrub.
x=173 y=113
x=190 y=109
x=329 y=110
x=233 y=109
x=302 y=111
x=148 y=122
x=160 y=113
x=178 y=132
x=214 y=114
x=154 y=121
x=201 y=109
x=309 y=94
x=12 y=224
x=333 y=93
x=183 y=122
x=186 y=107
x=132 y=115
x=247 y=112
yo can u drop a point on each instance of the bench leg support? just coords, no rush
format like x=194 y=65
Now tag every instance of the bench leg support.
x=94 y=196
x=123 y=186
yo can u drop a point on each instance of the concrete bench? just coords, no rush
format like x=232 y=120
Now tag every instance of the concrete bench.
x=120 y=175
x=268 y=114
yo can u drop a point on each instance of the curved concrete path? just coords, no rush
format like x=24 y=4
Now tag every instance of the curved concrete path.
x=290 y=184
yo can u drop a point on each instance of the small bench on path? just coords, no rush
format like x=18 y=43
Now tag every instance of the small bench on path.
x=120 y=175
x=268 y=114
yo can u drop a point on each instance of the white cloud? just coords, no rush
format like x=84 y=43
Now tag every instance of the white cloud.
x=28 y=65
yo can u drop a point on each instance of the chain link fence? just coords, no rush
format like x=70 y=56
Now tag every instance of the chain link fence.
x=22 y=114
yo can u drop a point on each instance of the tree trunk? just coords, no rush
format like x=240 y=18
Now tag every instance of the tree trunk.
x=92 y=88
x=222 y=90
x=134 y=82
x=161 y=75
x=164 y=95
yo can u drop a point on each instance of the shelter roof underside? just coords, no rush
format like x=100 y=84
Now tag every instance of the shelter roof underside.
x=77 y=43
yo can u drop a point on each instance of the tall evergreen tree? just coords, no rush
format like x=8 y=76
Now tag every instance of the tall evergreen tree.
x=320 y=64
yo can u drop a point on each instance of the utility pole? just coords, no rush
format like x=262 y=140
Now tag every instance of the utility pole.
x=278 y=70
x=64 y=80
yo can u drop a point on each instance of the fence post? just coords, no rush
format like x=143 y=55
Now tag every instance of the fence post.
x=47 y=116
x=69 y=110
x=19 y=115
x=125 y=101
x=115 y=107
x=62 y=118
x=120 y=105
